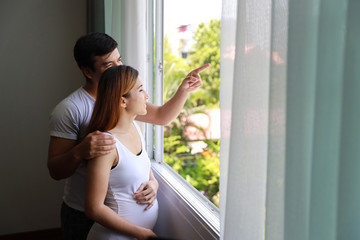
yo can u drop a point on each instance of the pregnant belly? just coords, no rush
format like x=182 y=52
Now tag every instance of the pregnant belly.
x=136 y=213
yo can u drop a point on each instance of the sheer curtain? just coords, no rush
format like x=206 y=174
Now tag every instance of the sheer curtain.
x=290 y=96
x=127 y=22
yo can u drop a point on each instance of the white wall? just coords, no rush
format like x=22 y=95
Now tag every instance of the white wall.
x=37 y=70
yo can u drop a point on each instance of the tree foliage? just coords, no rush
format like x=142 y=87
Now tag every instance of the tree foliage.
x=200 y=169
x=207 y=50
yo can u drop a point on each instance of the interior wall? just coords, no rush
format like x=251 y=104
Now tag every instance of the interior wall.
x=37 y=70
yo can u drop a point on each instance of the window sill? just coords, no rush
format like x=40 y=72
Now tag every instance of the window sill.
x=204 y=212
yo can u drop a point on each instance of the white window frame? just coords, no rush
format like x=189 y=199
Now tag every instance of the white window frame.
x=205 y=210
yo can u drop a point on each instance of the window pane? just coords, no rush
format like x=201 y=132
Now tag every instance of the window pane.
x=192 y=141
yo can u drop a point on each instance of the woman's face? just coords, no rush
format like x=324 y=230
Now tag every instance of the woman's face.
x=137 y=100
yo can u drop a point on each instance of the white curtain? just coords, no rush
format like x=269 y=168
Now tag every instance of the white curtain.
x=289 y=97
x=126 y=21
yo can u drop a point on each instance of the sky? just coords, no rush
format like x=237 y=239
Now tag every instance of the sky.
x=184 y=12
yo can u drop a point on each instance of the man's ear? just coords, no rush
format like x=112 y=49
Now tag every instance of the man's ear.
x=123 y=102
x=87 y=72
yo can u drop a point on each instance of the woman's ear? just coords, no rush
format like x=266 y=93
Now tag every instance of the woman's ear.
x=123 y=102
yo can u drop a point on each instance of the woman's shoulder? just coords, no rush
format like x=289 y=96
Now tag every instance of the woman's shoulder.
x=106 y=159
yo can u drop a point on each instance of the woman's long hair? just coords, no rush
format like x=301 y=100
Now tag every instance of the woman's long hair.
x=115 y=82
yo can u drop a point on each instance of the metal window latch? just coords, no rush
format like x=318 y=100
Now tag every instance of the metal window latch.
x=161 y=67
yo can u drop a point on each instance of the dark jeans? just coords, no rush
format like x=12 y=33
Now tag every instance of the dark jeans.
x=74 y=224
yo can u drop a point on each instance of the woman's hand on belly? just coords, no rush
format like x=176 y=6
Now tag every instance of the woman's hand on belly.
x=146 y=194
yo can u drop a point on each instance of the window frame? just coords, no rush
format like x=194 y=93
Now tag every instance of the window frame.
x=206 y=212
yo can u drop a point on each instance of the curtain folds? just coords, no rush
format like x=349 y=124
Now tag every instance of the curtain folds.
x=290 y=148
x=126 y=22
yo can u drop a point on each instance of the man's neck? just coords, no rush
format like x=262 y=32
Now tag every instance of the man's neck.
x=91 y=88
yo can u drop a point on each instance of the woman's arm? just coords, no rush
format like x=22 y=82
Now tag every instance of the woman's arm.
x=165 y=114
x=98 y=172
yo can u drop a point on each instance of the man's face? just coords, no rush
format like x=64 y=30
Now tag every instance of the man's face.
x=104 y=62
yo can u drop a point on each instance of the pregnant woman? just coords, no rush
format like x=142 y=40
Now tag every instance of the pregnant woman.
x=113 y=179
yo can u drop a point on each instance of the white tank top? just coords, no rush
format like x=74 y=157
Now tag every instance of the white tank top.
x=125 y=178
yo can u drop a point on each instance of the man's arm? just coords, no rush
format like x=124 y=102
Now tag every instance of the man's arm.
x=65 y=155
x=163 y=115
x=62 y=160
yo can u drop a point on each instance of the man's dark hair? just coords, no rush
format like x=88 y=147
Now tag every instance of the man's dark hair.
x=90 y=45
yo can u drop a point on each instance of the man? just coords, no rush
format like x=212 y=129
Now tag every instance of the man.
x=69 y=148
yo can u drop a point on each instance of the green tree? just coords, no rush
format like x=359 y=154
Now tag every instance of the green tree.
x=201 y=169
x=207 y=50
x=175 y=70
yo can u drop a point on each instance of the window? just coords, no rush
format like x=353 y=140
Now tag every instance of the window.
x=192 y=142
x=160 y=54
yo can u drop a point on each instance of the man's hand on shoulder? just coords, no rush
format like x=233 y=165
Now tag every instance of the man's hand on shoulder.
x=65 y=155
x=95 y=144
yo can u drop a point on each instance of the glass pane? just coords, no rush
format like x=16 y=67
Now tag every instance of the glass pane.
x=192 y=141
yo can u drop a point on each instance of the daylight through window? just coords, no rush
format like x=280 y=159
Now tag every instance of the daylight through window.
x=192 y=141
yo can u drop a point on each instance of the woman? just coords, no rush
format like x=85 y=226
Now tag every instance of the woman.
x=113 y=179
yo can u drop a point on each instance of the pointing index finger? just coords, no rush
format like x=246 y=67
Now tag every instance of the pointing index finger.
x=202 y=68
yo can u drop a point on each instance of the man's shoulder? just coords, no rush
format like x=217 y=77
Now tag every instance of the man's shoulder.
x=79 y=95
x=77 y=100
x=70 y=116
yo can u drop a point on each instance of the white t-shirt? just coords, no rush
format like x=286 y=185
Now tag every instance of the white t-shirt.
x=69 y=120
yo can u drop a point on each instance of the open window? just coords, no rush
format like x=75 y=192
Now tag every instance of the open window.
x=186 y=153
x=192 y=141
